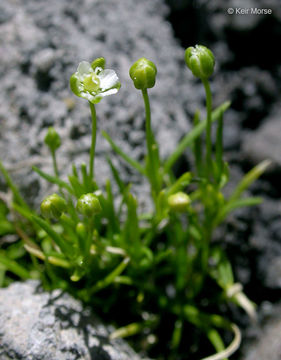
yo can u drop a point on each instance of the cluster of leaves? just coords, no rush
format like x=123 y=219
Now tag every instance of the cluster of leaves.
x=147 y=271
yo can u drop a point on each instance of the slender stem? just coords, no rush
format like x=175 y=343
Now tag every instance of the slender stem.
x=209 y=127
x=55 y=166
x=219 y=147
x=152 y=149
x=198 y=146
x=93 y=143
x=88 y=240
x=149 y=135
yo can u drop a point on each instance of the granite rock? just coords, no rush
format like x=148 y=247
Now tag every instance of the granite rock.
x=265 y=336
x=37 y=325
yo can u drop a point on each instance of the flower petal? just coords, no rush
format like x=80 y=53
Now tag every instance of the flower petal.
x=108 y=79
x=108 y=92
x=84 y=68
x=87 y=96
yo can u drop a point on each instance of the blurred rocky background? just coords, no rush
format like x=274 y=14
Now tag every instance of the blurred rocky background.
x=41 y=44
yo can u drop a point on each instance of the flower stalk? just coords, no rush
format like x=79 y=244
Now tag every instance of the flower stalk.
x=93 y=140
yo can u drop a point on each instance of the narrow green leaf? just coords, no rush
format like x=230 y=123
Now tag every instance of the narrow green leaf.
x=177 y=334
x=128 y=330
x=65 y=248
x=117 y=178
x=6 y=227
x=183 y=181
x=204 y=320
x=221 y=271
x=77 y=188
x=249 y=178
x=131 y=233
x=25 y=212
x=120 y=152
x=85 y=177
x=53 y=179
x=113 y=220
x=232 y=205
x=13 y=187
x=74 y=171
x=216 y=340
x=110 y=278
x=192 y=135
x=125 y=280
x=14 y=267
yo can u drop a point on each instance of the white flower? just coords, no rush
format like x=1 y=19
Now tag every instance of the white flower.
x=92 y=82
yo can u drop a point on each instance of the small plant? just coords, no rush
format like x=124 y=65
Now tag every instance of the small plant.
x=155 y=268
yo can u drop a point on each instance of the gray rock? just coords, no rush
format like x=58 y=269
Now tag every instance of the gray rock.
x=37 y=325
x=42 y=44
x=265 y=143
x=266 y=344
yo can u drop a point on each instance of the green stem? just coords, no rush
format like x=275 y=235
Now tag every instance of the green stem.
x=13 y=187
x=89 y=239
x=209 y=127
x=219 y=147
x=56 y=172
x=152 y=149
x=198 y=146
x=93 y=143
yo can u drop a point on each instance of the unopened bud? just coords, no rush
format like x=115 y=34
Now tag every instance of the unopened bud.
x=52 y=139
x=88 y=205
x=179 y=202
x=143 y=73
x=200 y=61
x=53 y=206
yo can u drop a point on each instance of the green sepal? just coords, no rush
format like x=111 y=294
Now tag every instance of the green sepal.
x=99 y=62
x=74 y=85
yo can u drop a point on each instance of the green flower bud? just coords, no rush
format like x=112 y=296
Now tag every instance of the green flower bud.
x=88 y=205
x=52 y=139
x=143 y=73
x=53 y=206
x=179 y=202
x=81 y=230
x=200 y=61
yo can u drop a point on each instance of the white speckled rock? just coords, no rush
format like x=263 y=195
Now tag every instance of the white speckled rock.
x=37 y=325
x=267 y=336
